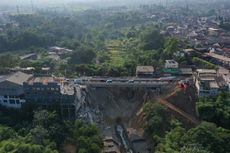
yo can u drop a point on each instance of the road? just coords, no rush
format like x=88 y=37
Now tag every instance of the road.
x=125 y=82
x=189 y=117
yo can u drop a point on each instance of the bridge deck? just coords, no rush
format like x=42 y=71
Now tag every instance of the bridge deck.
x=125 y=84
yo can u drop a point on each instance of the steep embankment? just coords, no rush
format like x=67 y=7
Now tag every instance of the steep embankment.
x=117 y=103
x=109 y=104
x=182 y=104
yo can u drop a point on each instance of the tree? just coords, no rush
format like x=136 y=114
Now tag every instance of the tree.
x=215 y=110
x=87 y=137
x=6 y=133
x=8 y=61
x=38 y=135
x=206 y=135
x=82 y=56
x=209 y=136
x=45 y=118
x=172 y=141
x=151 y=39
x=156 y=121
x=171 y=47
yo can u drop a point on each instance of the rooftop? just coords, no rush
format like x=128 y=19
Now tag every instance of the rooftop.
x=219 y=57
x=213 y=84
x=171 y=62
x=223 y=71
x=145 y=69
x=65 y=87
x=186 y=70
x=207 y=79
x=43 y=80
x=17 y=78
x=206 y=71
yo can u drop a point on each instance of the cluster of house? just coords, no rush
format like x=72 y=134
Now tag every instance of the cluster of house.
x=55 y=52
x=197 y=31
x=45 y=91
x=171 y=67
x=209 y=82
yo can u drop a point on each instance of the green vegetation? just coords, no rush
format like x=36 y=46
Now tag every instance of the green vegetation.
x=204 y=138
x=156 y=118
x=151 y=39
x=171 y=46
x=45 y=132
x=87 y=137
x=102 y=44
x=202 y=63
x=215 y=110
x=169 y=136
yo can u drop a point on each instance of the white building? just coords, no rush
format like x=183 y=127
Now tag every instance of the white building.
x=206 y=83
x=11 y=89
x=171 y=64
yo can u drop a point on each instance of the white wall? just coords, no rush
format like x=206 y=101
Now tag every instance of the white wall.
x=11 y=102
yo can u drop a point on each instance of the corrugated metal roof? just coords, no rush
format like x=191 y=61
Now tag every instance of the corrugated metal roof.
x=17 y=78
x=145 y=69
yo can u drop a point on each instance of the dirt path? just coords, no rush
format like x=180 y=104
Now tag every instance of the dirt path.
x=189 y=117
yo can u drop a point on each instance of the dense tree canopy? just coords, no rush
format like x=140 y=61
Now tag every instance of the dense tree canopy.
x=215 y=110
x=156 y=118
x=151 y=39
x=46 y=133
x=204 y=138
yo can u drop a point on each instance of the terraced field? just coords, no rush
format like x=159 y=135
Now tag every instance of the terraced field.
x=116 y=52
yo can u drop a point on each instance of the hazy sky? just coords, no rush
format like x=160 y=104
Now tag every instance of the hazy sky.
x=38 y=2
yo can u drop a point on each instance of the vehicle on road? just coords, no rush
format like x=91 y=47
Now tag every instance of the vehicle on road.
x=109 y=81
x=131 y=81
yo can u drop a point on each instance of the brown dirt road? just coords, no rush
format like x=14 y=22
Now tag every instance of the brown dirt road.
x=172 y=107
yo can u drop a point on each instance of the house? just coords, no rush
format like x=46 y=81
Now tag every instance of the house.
x=219 y=59
x=11 y=89
x=186 y=71
x=222 y=71
x=171 y=64
x=206 y=83
x=59 y=50
x=32 y=56
x=144 y=71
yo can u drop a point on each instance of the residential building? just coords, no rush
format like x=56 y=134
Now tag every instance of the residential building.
x=186 y=71
x=171 y=64
x=206 y=83
x=11 y=89
x=32 y=56
x=144 y=71
x=219 y=59
x=49 y=91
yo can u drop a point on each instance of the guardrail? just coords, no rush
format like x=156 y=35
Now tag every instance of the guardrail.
x=125 y=84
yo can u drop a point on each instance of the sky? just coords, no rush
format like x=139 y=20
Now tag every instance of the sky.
x=50 y=2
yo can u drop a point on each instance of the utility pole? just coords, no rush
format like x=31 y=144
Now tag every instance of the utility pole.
x=18 y=7
x=32 y=5
x=187 y=5
x=166 y=3
x=18 y=11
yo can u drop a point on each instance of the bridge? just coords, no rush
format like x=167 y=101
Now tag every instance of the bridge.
x=125 y=82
